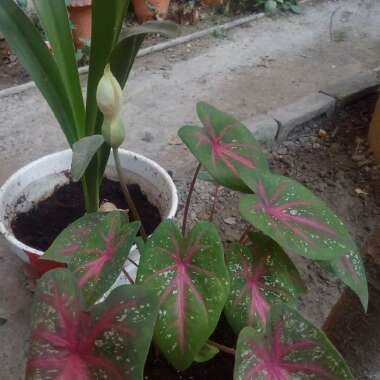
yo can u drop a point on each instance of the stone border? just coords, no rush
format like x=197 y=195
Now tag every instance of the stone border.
x=274 y=126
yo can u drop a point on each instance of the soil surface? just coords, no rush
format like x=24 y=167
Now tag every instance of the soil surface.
x=39 y=227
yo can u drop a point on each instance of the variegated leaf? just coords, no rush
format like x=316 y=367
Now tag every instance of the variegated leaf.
x=95 y=247
x=191 y=279
x=295 y=218
x=223 y=146
x=110 y=341
x=289 y=348
x=261 y=275
x=350 y=270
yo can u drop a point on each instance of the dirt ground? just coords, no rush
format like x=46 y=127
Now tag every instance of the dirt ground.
x=339 y=169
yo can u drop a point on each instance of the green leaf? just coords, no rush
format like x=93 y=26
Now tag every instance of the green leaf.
x=125 y=52
x=223 y=146
x=290 y=348
x=95 y=247
x=270 y=6
x=300 y=222
x=107 y=19
x=34 y=55
x=206 y=353
x=54 y=18
x=83 y=152
x=350 y=269
x=110 y=340
x=261 y=275
x=190 y=276
x=295 y=8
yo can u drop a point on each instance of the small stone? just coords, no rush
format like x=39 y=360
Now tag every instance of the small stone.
x=358 y=157
x=175 y=140
x=148 y=137
x=282 y=150
x=230 y=221
x=323 y=135
x=316 y=146
x=360 y=192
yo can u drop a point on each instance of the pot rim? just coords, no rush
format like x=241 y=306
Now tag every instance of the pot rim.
x=7 y=233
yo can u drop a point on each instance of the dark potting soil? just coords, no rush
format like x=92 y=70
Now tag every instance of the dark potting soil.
x=42 y=224
x=219 y=368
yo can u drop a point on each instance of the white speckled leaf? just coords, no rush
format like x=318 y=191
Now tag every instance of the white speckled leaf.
x=223 y=146
x=300 y=222
x=261 y=274
x=350 y=270
x=291 y=348
x=111 y=340
x=95 y=247
x=191 y=279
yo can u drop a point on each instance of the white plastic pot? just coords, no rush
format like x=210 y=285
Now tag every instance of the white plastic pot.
x=38 y=180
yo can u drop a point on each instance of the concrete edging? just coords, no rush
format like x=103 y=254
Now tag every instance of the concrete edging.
x=276 y=125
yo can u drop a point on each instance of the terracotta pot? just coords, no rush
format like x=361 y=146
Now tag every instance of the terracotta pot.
x=374 y=132
x=80 y=16
x=147 y=9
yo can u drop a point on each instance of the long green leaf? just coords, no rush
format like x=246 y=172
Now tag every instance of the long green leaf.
x=34 y=55
x=54 y=18
x=107 y=19
x=125 y=52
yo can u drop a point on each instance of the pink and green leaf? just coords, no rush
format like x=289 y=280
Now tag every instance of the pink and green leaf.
x=95 y=247
x=261 y=275
x=111 y=340
x=190 y=277
x=289 y=348
x=350 y=269
x=223 y=146
x=300 y=222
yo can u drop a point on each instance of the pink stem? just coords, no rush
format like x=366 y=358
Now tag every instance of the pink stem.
x=221 y=347
x=188 y=200
x=245 y=233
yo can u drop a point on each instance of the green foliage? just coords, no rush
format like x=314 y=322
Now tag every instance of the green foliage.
x=190 y=277
x=108 y=340
x=289 y=347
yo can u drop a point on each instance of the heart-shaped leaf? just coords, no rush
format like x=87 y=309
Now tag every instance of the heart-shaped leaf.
x=111 y=340
x=290 y=348
x=295 y=218
x=350 y=270
x=96 y=247
x=191 y=279
x=83 y=152
x=261 y=275
x=223 y=146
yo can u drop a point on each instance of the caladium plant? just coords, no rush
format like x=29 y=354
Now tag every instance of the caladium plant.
x=290 y=347
x=190 y=277
x=108 y=341
x=185 y=281
x=96 y=247
x=223 y=146
x=261 y=275
x=303 y=224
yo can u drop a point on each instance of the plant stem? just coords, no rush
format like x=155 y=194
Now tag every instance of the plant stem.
x=126 y=193
x=245 y=233
x=188 y=200
x=221 y=347
x=211 y=218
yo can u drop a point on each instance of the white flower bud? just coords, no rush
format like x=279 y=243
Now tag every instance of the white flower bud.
x=113 y=132
x=108 y=95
